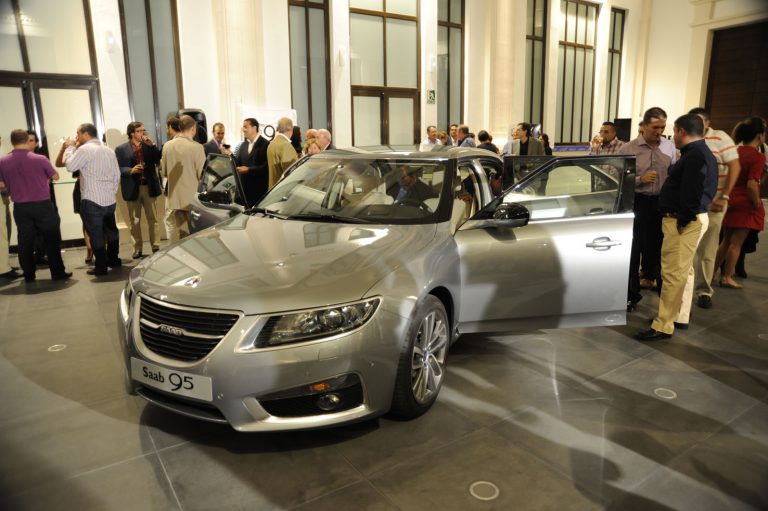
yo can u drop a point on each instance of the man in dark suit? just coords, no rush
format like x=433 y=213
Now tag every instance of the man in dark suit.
x=216 y=145
x=139 y=184
x=324 y=140
x=411 y=189
x=251 y=160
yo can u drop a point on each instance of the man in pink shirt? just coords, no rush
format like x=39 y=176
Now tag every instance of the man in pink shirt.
x=26 y=176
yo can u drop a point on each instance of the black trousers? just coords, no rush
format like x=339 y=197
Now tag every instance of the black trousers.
x=33 y=219
x=646 y=244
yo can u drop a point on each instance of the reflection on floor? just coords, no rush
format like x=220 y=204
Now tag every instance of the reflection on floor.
x=565 y=419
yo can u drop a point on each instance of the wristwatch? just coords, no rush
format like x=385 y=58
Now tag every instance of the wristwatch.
x=724 y=196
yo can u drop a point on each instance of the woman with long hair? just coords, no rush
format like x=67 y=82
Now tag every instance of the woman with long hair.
x=745 y=209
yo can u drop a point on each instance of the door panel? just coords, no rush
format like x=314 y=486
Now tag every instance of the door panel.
x=568 y=267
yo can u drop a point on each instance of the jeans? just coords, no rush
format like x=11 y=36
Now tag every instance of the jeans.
x=100 y=225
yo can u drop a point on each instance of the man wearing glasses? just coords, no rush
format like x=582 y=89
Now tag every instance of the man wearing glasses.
x=138 y=159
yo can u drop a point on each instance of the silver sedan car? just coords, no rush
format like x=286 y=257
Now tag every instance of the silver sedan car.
x=337 y=297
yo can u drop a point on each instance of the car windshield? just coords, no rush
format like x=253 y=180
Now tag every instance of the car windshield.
x=359 y=189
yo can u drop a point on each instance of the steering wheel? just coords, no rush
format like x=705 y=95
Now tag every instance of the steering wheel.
x=413 y=203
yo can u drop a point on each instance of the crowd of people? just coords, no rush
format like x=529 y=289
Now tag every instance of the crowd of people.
x=697 y=198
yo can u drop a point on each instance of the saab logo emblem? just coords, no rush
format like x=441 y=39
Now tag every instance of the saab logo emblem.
x=171 y=330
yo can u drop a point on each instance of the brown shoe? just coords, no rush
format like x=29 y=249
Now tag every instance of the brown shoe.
x=647 y=284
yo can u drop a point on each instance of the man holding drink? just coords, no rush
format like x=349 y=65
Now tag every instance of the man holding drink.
x=138 y=159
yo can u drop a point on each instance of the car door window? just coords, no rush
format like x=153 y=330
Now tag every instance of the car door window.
x=568 y=190
x=219 y=176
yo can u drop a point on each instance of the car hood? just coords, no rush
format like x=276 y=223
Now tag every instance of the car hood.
x=259 y=264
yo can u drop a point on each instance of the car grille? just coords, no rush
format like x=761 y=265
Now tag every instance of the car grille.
x=182 y=333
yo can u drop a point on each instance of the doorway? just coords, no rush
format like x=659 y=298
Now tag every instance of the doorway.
x=738 y=65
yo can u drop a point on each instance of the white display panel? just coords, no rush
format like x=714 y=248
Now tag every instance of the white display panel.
x=367 y=120
x=366 y=37
x=401 y=121
x=56 y=37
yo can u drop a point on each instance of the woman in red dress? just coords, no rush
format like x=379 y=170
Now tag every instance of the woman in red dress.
x=745 y=209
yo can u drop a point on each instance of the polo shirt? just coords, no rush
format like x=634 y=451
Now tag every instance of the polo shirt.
x=724 y=150
x=26 y=176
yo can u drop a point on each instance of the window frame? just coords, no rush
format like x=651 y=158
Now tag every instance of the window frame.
x=320 y=5
x=460 y=26
x=615 y=12
x=385 y=92
x=566 y=45
x=530 y=35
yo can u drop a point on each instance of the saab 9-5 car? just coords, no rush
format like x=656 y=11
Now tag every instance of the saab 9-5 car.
x=337 y=296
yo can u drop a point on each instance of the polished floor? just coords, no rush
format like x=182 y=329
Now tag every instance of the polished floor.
x=562 y=419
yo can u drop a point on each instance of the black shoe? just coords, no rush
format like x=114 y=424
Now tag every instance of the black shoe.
x=704 y=301
x=631 y=306
x=11 y=275
x=115 y=264
x=62 y=276
x=740 y=273
x=95 y=272
x=138 y=254
x=155 y=250
x=29 y=278
x=651 y=335
x=681 y=326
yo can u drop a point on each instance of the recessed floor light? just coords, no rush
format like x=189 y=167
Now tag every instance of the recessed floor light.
x=484 y=490
x=665 y=393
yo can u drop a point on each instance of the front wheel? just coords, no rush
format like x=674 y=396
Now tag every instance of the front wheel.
x=421 y=369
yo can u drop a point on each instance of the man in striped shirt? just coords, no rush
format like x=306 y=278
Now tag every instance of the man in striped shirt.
x=99 y=180
x=728 y=169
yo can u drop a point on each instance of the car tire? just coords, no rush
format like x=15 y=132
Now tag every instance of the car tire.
x=421 y=368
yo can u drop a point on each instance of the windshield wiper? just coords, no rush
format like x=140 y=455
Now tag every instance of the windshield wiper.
x=318 y=217
x=263 y=211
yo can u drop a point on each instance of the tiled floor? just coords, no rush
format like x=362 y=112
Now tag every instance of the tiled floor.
x=562 y=419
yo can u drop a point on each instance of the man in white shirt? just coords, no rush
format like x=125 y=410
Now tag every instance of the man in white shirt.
x=99 y=181
x=728 y=169
x=431 y=141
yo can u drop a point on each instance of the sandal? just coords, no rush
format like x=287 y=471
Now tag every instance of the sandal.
x=728 y=285
x=88 y=256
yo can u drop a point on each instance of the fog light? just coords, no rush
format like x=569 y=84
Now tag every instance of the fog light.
x=329 y=401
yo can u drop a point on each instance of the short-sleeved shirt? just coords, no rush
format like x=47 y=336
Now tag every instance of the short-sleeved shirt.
x=26 y=175
x=647 y=158
x=724 y=149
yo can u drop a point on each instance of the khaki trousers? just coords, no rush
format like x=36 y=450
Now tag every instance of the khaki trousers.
x=146 y=203
x=176 y=224
x=704 y=262
x=677 y=253
x=685 y=307
x=5 y=258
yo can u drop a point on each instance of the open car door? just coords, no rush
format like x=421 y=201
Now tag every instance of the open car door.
x=567 y=264
x=220 y=193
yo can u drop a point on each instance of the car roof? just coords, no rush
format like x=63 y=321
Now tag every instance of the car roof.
x=388 y=152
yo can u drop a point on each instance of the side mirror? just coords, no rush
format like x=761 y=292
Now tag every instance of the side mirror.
x=219 y=197
x=511 y=214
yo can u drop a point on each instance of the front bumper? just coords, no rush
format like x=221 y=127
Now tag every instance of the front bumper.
x=242 y=382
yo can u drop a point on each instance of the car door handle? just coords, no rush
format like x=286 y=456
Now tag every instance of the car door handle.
x=195 y=215
x=603 y=243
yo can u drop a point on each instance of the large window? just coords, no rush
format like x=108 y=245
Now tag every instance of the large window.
x=535 y=40
x=48 y=82
x=450 y=62
x=310 y=78
x=152 y=62
x=384 y=49
x=615 y=44
x=576 y=71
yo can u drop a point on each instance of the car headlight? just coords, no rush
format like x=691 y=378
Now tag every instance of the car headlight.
x=314 y=324
x=125 y=301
